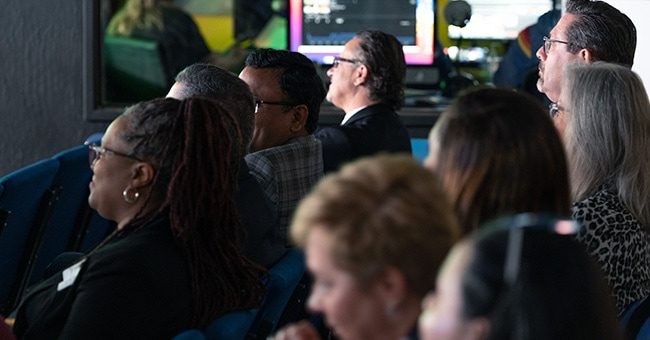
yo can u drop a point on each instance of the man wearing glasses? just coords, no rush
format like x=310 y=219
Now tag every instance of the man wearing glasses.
x=262 y=243
x=366 y=82
x=285 y=157
x=588 y=31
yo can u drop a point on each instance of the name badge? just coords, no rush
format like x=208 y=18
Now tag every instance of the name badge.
x=70 y=275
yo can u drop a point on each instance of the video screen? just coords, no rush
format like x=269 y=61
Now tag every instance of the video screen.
x=500 y=19
x=320 y=28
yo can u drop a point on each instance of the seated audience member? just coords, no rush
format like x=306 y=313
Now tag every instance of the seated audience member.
x=496 y=152
x=588 y=31
x=264 y=240
x=604 y=117
x=285 y=157
x=160 y=20
x=367 y=83
x=368 y=231
x=523 y=278
x=174 y=261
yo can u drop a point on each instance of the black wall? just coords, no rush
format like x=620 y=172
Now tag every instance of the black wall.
x=41 y=80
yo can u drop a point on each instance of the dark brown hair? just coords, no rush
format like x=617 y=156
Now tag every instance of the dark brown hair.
x=497 y=152
x=195 y=147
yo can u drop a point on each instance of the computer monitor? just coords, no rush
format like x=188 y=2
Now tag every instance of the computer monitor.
x=320 y=28
x=500 y=19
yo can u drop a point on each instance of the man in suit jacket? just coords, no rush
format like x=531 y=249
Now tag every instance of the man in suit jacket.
x=264 y=242
x=285 y=157
x=367 y=82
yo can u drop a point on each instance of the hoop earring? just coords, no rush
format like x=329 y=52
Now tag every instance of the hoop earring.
x=130 y=198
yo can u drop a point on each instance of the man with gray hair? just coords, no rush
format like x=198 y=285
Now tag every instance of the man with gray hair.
x=588 y=31
x=264 y=243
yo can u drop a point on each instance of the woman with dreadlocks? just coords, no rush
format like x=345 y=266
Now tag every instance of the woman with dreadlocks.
x=165 y=173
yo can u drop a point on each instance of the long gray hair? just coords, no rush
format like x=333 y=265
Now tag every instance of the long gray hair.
x=608 y=134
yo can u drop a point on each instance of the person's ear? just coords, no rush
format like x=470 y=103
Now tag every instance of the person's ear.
x=360 y=75
x=392 y=288
x=299 y=118
x=586 y=55
x=142 y=174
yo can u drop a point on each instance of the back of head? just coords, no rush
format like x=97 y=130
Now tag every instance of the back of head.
x=197 y=193
x=603 y=30
x=381 y=211
x=299 y=81
x=383 y=55
x=557 y=291
x=497 y=152
x=608 y=133
x=213 y=82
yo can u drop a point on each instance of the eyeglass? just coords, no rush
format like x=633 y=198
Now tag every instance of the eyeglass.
x=548 y=42
x=259 y=102
x=515 y=225
x=338 y=60
x=95 y=152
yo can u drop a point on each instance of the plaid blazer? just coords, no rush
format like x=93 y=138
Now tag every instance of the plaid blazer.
x=287 y=173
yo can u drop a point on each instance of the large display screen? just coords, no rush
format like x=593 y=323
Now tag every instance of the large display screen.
x=320 y=28
x=500 y=19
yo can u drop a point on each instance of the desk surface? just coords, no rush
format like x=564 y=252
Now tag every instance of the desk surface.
x=418 y=120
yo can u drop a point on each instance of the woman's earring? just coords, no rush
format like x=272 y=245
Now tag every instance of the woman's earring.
x=130 y=196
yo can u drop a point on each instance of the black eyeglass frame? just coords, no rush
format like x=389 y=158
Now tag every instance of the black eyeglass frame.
x=547 y=42
x=96 y=151
x=338 y=60
x=259 y=102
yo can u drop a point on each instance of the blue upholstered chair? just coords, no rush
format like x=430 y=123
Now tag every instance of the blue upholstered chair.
x=636 y=320
x=286 y=294
x=70 y=187
x=420 y=149
x=25 y=200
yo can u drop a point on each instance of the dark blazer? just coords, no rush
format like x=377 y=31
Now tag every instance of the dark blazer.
x=374 y=129
x=137 y=286
x=263 y=240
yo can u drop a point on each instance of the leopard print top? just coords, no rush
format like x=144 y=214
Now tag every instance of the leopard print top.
x=618 y=242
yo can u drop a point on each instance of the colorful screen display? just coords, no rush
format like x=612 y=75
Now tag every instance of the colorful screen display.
x=320 y=28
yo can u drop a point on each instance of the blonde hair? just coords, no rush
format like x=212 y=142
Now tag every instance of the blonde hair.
x=145 y=14
x=381 y=211
x=608 y=134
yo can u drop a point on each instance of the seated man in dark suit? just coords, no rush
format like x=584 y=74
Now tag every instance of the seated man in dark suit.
x=285 y=157
x=367 y=82
x=264 y=243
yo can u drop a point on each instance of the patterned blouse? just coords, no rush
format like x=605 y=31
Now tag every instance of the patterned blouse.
x=618 y=242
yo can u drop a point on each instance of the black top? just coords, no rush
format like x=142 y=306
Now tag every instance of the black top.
x=374 y=129
x=135 y=286
x=263 y=240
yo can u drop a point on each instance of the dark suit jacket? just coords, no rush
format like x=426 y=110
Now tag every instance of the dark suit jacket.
x=263 y=240
x=374 y=129
x=137 y=286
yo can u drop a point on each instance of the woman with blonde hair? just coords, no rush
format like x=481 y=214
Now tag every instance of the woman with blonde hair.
x=368 y=231
x=159 y=20
x=604 y=115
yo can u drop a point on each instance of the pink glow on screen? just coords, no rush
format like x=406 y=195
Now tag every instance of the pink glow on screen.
x=419 y=54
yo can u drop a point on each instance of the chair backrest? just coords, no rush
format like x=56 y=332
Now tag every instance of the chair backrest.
x=135 y=69
x=70 y=201
x=26 y=199
x=636 y=320
x=284 y=278
x=420 y=148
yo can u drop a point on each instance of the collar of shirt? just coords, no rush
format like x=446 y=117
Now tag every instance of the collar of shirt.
x=351 y=113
